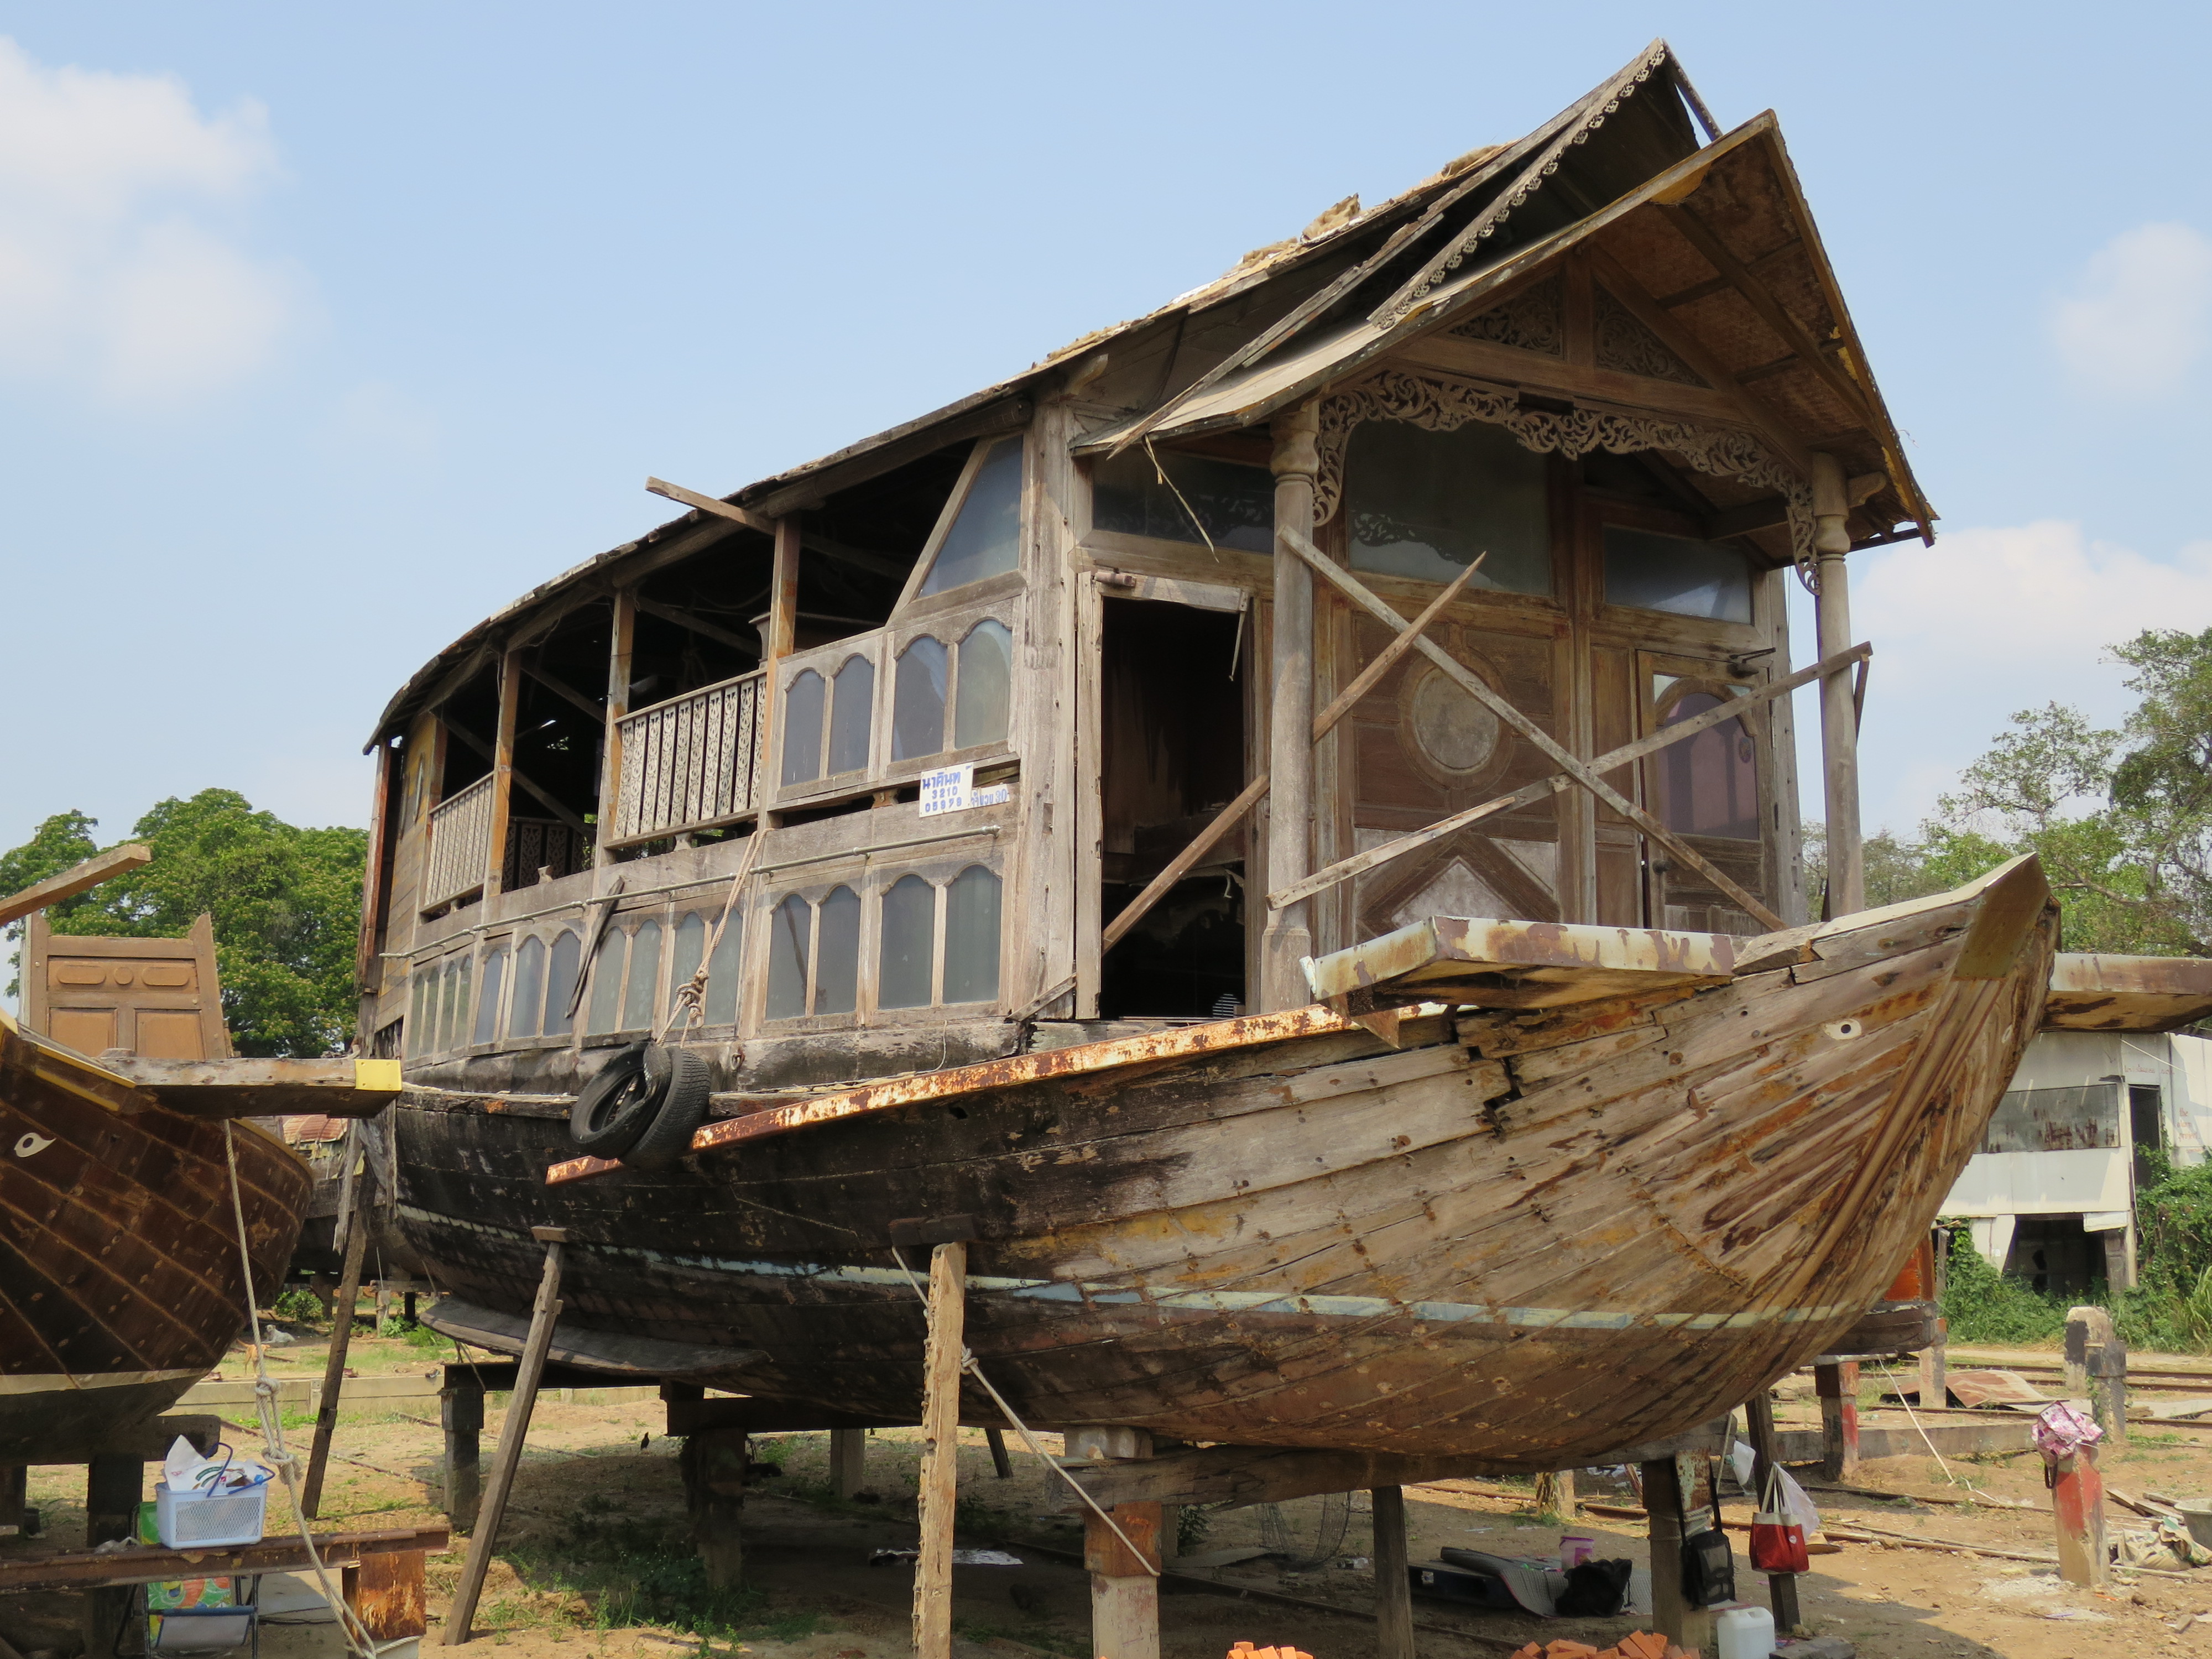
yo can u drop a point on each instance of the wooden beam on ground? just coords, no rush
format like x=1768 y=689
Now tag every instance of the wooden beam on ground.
x=78 y=878
x=334 y=1365
x=1358 y=863
x=940 y=1450
x=512 y=1433
x=344 y=1086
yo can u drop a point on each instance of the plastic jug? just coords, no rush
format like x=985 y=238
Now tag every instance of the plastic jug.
x=1743 y=1632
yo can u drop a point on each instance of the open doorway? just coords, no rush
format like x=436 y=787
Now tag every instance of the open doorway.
x=1173 y=740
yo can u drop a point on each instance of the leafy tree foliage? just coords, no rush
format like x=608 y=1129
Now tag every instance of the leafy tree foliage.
x=2121 y=819
x=286 y=903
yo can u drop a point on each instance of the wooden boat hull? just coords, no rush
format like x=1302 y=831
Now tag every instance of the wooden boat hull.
x=120 y=1285
x=1531 y=1238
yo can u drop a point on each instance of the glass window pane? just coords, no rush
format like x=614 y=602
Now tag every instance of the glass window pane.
x=457 y=1030
x=1654 y=572
x=529 y=989
x=918 y=700
x=643 y=986
x=788 y=952
x=1423 y=504
x=853 y=713
x=1235 y=503
x=441 y=984
x=986 y=678
x=1708 y=784
x=691 y=945
x=721 y=1007
x=986 y=539
x=495 y=976
x=802 y=728
x=422 y=1018
x=909 y=944
x=837 y=965
x=561 y=983
x=971 y=937
x=606 y=985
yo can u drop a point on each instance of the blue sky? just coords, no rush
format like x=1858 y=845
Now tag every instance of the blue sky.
x=324 y=332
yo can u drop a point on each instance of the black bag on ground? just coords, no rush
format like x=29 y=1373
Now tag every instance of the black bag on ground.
x=1595 y=1589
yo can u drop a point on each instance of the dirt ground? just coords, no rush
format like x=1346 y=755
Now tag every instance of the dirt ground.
x=593 y=1560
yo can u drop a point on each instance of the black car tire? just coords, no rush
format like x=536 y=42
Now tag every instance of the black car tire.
x=682 y=1110
x=618 y=1105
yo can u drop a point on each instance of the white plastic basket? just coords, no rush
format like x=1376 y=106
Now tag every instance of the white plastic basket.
x=204 y=1520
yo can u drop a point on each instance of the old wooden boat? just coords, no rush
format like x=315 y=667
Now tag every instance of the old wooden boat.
x=121 y=1281
x=1532 y=1233
x=1433 y=564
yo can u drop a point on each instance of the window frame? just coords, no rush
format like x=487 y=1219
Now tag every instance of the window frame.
x=911 y=597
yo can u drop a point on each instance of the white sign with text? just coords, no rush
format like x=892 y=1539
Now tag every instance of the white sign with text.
x=953 y=789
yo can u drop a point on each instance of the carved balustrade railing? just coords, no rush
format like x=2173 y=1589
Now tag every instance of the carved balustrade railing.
x=690 y=762
x=460 y=843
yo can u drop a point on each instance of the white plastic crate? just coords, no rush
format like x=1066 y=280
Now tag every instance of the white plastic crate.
x=204 y=1520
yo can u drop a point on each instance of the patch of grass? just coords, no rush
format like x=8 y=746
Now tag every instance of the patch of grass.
x=638 y=1573
x=300 y=1305
x=420 y=1338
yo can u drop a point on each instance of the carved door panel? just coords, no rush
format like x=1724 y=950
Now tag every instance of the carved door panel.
x=1422 y=749
x=157 y=999
x=1712 y=790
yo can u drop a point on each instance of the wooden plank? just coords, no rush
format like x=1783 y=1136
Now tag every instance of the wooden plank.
x=941 y=1451
x=1183 y=862
x=78 y=878
x=560 y=688
x=705 y=630
x=2092 y=992
x=730 y=510
x=763 y=1414
x=1215 y=1036
x=86 y=1570
x=502 y=771
x=1394 y=1588
x=1359 y=863
x=387 y=1591
x=334 y=1366
x=512 y=1433
x=344 y=1086
x=623 y=642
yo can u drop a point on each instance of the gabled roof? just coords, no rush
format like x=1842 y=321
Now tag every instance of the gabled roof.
x=1713 y=246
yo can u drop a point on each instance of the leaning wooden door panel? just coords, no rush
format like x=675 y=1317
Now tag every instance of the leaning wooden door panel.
x=1422 y=750
x=158 y=998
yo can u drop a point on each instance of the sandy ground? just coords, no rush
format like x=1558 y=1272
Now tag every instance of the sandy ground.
x=594 y=1558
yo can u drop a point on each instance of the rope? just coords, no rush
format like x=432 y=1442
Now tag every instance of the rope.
x=1966 y=1485
x=968 y=1364
x=285 y=1461
x=690 y=997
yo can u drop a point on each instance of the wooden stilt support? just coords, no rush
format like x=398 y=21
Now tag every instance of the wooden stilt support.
x=461 y=1415
x=1125 y=1596
x=512 y=1433
x=15 y=1499
x=334 y=1367
x=1781 y=1587
x=940 y=1450
x=848 y=1457
x=1555 y=1494
x=2077 y=1505
x=1001 y=1464
x=1837 y=1382
x=1670 y=1498
x=114 y=1487
x=716 y=1464
x=1394 y=1585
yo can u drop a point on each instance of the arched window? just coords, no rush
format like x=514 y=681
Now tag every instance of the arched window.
x=910 y=945
x=985 y=539
x=454 y=1028
x=986 y=678
x=1708 y=784
x=561 y=982
x=852 y=713
x=790 y=945
x=918 y=700
x=837 y=954
x=691 y=945
x=495 y=976
x=721 y=1005
x=971 y=937
x=802 y=727
x=529 y=988
x=643 y=986
x=422 y=1016
x=606 y=985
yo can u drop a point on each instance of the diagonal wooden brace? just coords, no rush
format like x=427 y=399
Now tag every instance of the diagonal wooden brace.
x=1360 y=863
x=1477 y=687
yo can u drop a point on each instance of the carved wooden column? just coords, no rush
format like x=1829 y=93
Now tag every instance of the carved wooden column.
x=1840 y=739
x=618 y=679
x=1289 y=935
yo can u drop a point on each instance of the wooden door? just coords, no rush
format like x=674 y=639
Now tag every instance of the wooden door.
x=1712 y=790
x=157 y=999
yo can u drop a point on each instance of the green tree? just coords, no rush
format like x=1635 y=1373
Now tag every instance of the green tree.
x=286 y=903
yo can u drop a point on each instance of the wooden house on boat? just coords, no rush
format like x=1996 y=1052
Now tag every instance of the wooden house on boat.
x=1278 y=823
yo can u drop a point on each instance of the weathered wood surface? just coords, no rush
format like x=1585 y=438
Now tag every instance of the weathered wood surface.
x=1520 y=964
x=119 y=1274
x=341 y=1087
x=1320 y=1241
x=56 y=1569
x=2096 y=993
x=78 y=878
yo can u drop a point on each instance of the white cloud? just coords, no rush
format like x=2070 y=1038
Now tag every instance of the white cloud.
x=2138 y=326
x=1986 y=622
x=120 y=266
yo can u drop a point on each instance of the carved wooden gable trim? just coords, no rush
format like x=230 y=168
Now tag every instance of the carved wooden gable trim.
x=1533 y=320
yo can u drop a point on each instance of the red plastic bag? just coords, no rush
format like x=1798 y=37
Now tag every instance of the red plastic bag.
x=1778 y=1543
